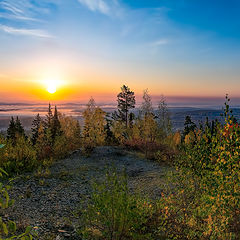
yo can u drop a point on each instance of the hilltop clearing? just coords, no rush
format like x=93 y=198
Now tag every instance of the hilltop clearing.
x=46 y=200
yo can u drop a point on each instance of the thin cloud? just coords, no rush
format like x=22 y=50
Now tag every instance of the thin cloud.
x=21 y=10
x=11 y=8
x=96 y=5
x=28 y=32
x=160 y=42
x=19 y=17
x=21 y=13
x=107 y=7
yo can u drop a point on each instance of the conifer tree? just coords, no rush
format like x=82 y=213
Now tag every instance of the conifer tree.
x=109 y=133
x=35 y=128
x=49 y=117
x=190 y=126
x=56 y=126
x=11 y=131
x=19 y=128
x=15 y=130
x=126 y=101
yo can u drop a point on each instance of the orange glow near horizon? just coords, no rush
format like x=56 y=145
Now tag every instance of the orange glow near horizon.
x=66 y=87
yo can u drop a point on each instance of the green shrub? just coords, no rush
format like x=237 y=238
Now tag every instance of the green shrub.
x=19 y=157
x=204 y=200
x=114 y=213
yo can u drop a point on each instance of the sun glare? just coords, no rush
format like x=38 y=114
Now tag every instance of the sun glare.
x=52 y=85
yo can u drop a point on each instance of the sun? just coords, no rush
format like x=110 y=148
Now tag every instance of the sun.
x=51 y=85
x=51 y=88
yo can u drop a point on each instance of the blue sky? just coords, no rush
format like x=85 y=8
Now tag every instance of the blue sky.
x=172 y=47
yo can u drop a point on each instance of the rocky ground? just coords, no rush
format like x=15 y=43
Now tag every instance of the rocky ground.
x=46 y=200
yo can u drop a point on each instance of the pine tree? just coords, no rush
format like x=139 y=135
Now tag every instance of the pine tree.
x=19 y=128
x=126 y=101
x=56 y=126
x=15 y=130
x=35 y=127
x=190 y=126
x=49 y=117
x=11 y=131
x=109 y=133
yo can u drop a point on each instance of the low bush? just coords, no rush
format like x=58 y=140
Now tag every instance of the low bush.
x=204 y=201
x=18 y=157
x=162 y=152
x=114 y=213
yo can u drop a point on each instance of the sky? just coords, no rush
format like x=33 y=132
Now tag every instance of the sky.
x=183 y=49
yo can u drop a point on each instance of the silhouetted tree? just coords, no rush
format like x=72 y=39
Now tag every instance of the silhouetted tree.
x=15 y=130
x=55 y=126
x=35 y=127
x=49 y=117
x=190 y=126
x=19 y=128
x=126 y=101
x=11 y=131
x=109 y=133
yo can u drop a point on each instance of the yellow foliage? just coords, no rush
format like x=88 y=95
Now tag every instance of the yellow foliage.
x=94 y=132
x=189 y=138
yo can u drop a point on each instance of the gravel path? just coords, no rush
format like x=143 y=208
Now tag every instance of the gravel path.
x=47 y=201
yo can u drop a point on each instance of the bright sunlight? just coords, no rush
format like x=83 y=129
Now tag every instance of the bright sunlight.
x=52 y=85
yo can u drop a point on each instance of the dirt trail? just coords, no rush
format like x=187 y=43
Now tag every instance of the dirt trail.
x=47 y=202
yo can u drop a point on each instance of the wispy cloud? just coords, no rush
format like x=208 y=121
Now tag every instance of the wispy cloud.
x=21 y=15
x=29 y=32
x=18 y=17
x=106 y=7
x=96 y=5
x=160 y=42
x=11 y=8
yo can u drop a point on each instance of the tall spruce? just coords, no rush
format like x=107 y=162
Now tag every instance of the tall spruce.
x=126 y=101
x=15 y=129
x=49 y=117
x=56 y=126
x=35 y=128
x=11 y=131
x=19 y=128
x=190 y=126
